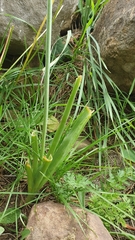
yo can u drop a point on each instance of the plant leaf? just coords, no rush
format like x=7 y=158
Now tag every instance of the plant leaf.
x=52 y=124
x=9 y=216
x=69 y=140
x=1 y=230
x=128 y=154
x=25 y=233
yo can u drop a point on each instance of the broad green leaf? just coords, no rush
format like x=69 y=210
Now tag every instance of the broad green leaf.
x=128 y=154
x=60 y=47
x=25 y=233
x=52 y=124
x=9 y=216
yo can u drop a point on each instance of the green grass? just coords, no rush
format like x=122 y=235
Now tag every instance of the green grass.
x=99 y=177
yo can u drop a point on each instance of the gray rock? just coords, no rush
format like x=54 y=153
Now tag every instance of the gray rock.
x=115 y=33
x=26 y=16
x=51 y=221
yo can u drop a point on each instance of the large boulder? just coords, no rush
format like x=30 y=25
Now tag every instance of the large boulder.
x=115 y=34
x=51 y=221
x=26 y=16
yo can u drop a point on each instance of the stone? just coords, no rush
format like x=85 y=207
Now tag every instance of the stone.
x=51 y=221
x=26 y=16
x=115 y=33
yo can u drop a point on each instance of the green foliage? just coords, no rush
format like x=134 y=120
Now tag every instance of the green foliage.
x=111 y=202
x=25 y=233
x=70 y=185
x=9 y=216
x=1 y=230
x=118 y=180
x=128 y=154
x=30 y=145
x=113 y=206
x=43 y=168
x=58 y=49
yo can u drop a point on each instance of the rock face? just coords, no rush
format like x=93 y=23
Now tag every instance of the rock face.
x=115 y=33
x=26 y=16
x=51 y=221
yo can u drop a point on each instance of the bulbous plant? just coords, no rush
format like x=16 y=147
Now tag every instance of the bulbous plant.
x=40 y=166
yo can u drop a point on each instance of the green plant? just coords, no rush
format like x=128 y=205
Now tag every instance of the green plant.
x=72 y=186
x=107 y=200
x=110 y=201
x=84 y=177
x=9 y=216
x=41 y=166
x=39 y=170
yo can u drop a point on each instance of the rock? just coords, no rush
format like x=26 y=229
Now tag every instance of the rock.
x=51 y=221
x=28 y=15
x=115 y=34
